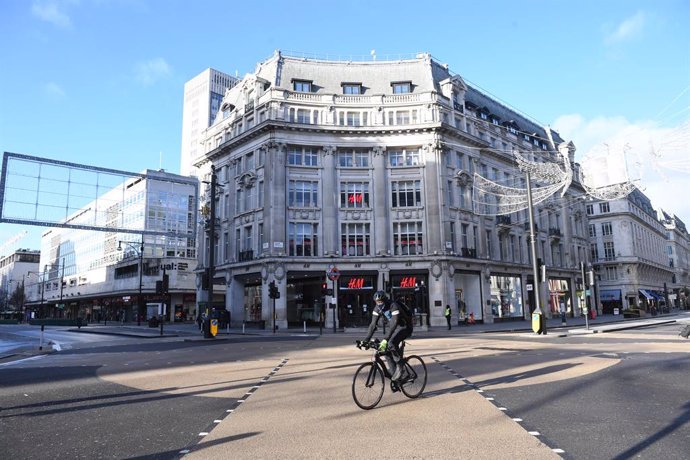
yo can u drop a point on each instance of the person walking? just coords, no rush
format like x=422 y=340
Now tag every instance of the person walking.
x=447 y=313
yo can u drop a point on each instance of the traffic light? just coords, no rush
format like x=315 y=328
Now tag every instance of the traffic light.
x=165 y=283
x=324 y=288
x=159 y=287
x=541 y=270
x=273 y=292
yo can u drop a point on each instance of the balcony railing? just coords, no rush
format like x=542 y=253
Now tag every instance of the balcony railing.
x=468 y=252
x=245 y=256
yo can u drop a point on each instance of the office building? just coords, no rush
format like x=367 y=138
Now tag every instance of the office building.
x=202 y=97
x=113 y=274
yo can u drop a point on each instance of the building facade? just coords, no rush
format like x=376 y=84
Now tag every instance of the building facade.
x=112 y=275
x=677 y=248
x=629 y=250
x=16 y=270
x=202 y=98
x=364 y=170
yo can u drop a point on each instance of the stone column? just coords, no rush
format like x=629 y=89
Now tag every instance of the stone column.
x=432 y=192
x=381 y=202
x=329 y=201
x=275 y=196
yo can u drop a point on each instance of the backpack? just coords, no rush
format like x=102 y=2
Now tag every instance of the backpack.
x=405 y=310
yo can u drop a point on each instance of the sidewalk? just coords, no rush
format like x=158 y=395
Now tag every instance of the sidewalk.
x=602 y=323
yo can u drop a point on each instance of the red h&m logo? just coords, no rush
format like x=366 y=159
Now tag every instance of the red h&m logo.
x=355 y=283
x=408 y=282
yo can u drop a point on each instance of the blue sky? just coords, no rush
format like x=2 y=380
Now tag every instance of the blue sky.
x=100 y=81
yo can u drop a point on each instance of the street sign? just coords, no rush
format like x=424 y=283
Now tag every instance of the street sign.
x=333 y=273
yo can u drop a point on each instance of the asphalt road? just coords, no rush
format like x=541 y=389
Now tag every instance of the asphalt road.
x=495 y=395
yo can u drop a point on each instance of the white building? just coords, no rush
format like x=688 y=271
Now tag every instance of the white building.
x=629 y=252
x=678 y=250
x=16 y=272
x=202 y=98
x=368 y=167
x=100 y=274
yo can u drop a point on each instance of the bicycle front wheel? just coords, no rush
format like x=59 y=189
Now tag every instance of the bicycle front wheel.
x=414 y=382
x=368 y=385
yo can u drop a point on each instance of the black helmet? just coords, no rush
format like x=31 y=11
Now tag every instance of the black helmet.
x=380 y=296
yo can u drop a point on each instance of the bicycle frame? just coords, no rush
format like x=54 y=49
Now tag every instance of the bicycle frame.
x=376 y=358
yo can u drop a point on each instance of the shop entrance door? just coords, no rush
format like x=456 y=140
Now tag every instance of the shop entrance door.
x=355 y=310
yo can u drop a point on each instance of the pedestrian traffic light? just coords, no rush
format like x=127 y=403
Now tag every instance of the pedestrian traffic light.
x=273 y=292
x=324 y=288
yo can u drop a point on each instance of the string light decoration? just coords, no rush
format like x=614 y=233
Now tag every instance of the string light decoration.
x=604 y=173
x=671 y=152
x=490 y=198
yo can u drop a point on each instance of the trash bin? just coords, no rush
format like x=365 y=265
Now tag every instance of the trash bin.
x=538 y=323
x=153 y=321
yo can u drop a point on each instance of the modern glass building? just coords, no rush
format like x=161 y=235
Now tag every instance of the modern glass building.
x=112 y=274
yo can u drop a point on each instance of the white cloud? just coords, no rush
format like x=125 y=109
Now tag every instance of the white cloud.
x=656 y=156
x=151 y=71
x=54 y=90
x=628 y=29
x=51 y=11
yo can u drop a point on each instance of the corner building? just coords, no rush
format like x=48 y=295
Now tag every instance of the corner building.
x=368 y=167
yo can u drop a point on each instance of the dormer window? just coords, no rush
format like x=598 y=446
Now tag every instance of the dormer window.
x=352 y=88
x=302 y=86
x=401 y=87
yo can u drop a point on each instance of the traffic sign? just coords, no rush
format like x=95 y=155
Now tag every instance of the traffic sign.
x=333 y=273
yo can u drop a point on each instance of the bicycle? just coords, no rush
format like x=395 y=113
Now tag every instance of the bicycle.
x=369 y=381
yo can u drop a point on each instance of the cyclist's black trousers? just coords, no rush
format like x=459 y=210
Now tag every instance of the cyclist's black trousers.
x=399 y=336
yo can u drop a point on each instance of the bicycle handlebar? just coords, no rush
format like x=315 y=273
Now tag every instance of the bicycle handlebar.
x=367 y=345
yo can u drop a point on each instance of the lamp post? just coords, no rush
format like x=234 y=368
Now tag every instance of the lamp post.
x=141 y=272
x=211 y=270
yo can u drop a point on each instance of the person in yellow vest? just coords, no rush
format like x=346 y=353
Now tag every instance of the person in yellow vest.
x=447 y=314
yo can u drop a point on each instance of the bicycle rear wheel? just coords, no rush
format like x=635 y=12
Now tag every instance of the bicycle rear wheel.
x=414 y=382
x=368 y=385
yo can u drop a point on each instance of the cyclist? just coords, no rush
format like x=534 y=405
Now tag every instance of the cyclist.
x=399 y=316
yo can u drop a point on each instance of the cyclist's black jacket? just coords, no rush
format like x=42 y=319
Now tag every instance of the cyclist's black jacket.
x=399 y=316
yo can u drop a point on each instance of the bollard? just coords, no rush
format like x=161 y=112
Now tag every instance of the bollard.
x=305 y=327
x=243 y=327
x=40 y=345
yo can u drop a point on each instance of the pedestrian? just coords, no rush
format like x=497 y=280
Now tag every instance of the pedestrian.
x=562 y=306
x=471 y=320
x=447 y=313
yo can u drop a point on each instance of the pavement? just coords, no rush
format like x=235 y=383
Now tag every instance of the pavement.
x=573 y=326
x=190 y=331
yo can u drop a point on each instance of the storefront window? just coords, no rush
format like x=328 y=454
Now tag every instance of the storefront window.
x=506 y=297
x=559 y=292
x=252 y=303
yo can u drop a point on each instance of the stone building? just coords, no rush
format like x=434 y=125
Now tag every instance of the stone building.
x=365 y=169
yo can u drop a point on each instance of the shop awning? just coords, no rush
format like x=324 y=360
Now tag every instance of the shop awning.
x=647 y=294
x=657 y=295
x=611 y=294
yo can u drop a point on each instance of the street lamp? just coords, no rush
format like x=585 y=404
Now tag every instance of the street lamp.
x=141 y=269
